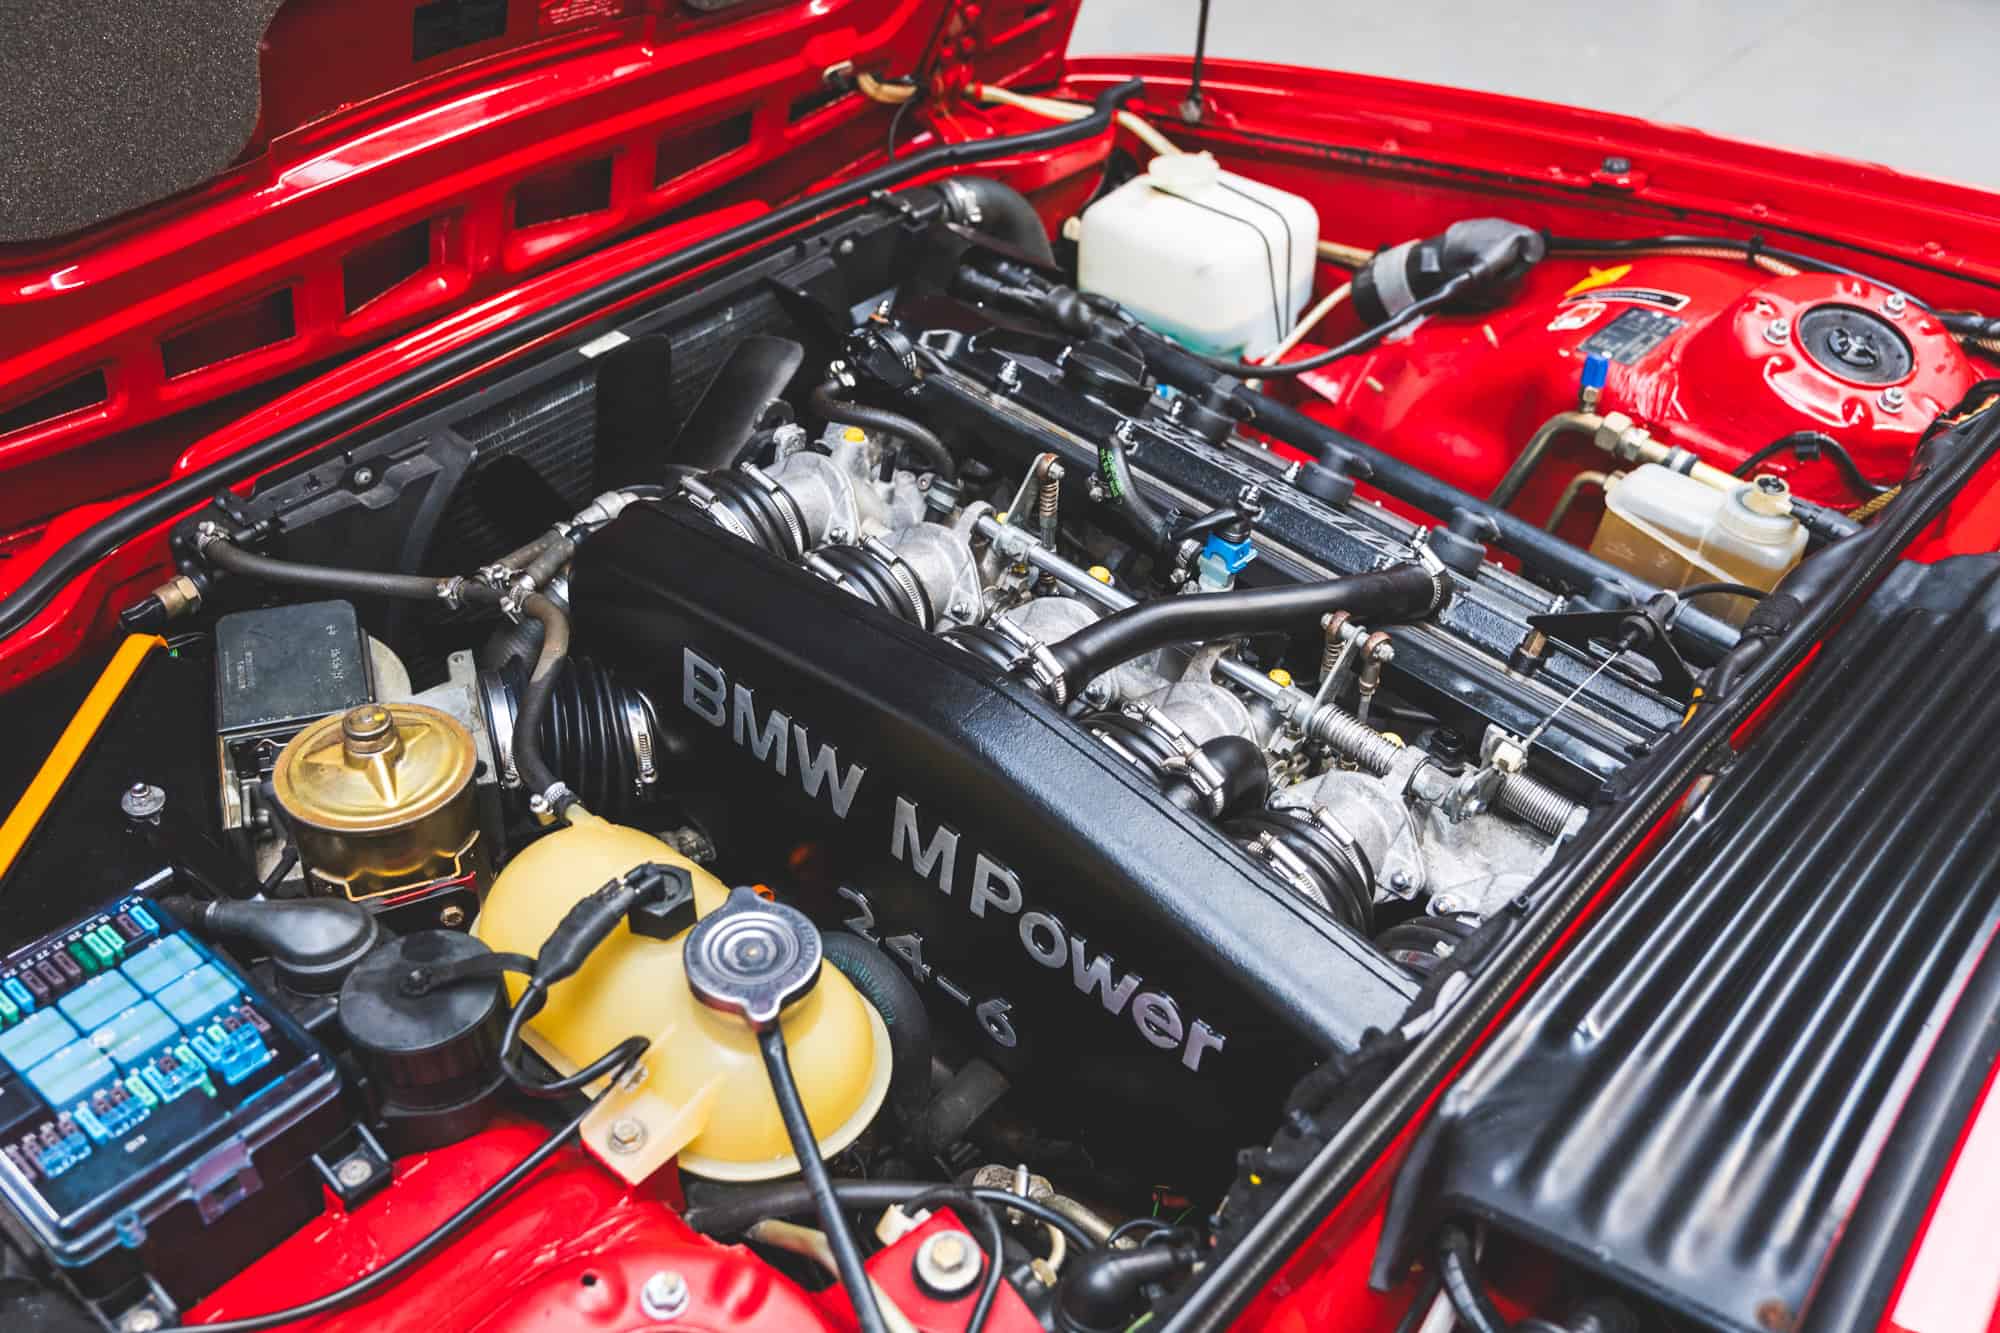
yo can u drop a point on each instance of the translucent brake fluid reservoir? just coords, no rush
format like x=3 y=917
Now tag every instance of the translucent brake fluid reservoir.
x=704 y=1095
x=1673 y=530
x=1219 y=261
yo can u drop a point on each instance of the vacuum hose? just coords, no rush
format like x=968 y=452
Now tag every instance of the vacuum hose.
x=830 y=406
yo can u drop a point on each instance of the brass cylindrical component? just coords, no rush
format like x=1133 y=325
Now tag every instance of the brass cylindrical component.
x=380 y=799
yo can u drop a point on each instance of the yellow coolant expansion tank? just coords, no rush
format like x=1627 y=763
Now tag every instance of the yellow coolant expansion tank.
x=704 y=1095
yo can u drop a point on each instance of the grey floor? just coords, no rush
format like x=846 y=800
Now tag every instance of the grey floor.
x=1906 y=84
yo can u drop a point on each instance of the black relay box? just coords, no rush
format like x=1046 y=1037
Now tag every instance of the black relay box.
x=141 y=1075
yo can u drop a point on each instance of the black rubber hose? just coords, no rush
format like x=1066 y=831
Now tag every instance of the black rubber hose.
x=839 y=1235
x=885 y=986
x=828 y=404
x=1398 y=593
x=1458 y=1270
x=743 y=1205
x=1246 y=779
x=999 y=210
x=535 y=772
x=1539 y=551
x=511 y=643
x=233 y=559
x=194 y=487
x=1153 y=526
x=1101 y=1291
x=1802 y=443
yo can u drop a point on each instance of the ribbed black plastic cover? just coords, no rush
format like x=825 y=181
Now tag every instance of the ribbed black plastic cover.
x=1693 y=1100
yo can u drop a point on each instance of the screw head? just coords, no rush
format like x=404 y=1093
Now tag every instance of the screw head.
x=364 y=476
x=452 y=917
x=142 y=801
x=140 y=1319
x=626 y=1135
x=1892 y=399
x=1446 y=905
x=1400 y=879
x=1778 y=332
x=947 y=1263
x=664 y=1295
x=1896 y=304
x=1617 y=166
x=354 y=1172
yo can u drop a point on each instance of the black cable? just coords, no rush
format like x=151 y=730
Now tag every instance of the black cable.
x=839 y=1236
x=1427 y=1294
x=748 y=1204
x=1719 y=586
x=1115 y=474
x=1131 y=1224
x=342 y=1297
x=1816 y=441
x=194 y=487
x=1749 y=249
x=1458 y=1270
x=1360 y=342
x=530 y=1004
x=828 y=403
x=1194 y=99
x=896 y=122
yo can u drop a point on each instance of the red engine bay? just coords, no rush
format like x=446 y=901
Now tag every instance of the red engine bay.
x=202 y=400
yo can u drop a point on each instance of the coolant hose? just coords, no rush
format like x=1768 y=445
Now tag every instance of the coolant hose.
x=999 y=210
x=535 y=773
x=883 y=985
x=1399 y=593
x=1458 y=1270
x=227 y=556
x=827 y=403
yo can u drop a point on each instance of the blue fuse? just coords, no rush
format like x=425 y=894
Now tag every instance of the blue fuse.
x=232 y=1048
x=1596 y=370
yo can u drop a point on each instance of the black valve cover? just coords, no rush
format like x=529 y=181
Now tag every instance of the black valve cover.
x=1136 y=974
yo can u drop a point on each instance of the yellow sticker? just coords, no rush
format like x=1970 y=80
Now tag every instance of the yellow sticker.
x=1599 y=277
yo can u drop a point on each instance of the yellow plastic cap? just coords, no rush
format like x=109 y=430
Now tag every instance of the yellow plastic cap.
x=704 y=1095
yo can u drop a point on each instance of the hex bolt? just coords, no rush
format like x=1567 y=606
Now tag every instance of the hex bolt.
x=364 y=476
x=1892 y=399
x=1446 y=905
x=627 y=1135
x=1617 y=166
x=354 y=1172
x=452 y=917
x=1896 y=304
x=1401 y=881
x=142 y=803
x=1778 y=332
x=141 y=1319
x=665 y=1295
x=947 y=1263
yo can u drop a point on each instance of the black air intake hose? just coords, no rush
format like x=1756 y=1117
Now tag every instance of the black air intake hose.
x=1001 y=211
x=1398 y=593
x=750 y=506
x=1312 y=861
x=1244 y=774
x=877 y=576
x=600 y=736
